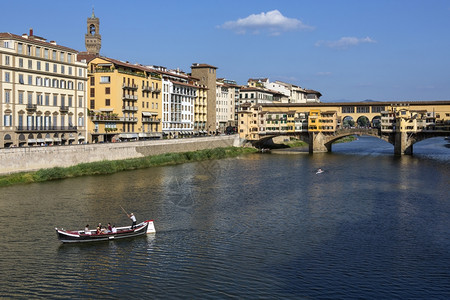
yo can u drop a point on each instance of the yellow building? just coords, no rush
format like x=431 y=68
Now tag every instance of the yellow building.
x=201 y=110
x=124 y=101
x=322 y=121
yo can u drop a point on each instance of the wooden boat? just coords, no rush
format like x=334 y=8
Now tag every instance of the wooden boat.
x=80 y=236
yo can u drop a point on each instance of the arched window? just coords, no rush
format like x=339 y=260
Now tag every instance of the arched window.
x=70 y=85
x=80 y=86
x=62 y=84
x=55 y=83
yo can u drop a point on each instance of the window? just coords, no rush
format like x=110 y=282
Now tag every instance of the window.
x=30 y=64
x=63 y=100
x=80 y=101
x=70 y=70
x=30 y=98
x=63 y=84
x=55 y=100
x=45 y=53
x=47 y=67
x=92 y=106
x=70 y=85
x=39 y=99
x=7 y=77
x=7 y=120
x=69 y=58
x=7 y=96
x=107 y=102
x=47 y=82
x=61 y=56
x=55 y=83
x=20 y=97
x=69 y=99
x=92 y=92
x=38 y=65
x=20 y=48
x=62 y=69
x=80 y=72
x=80 y=121
x=7 y=60
x=38 y=51
x=92 y=80
x=30 y=79
x=39 y=81
x=47 y=99
x=80 y=86
x=20 y=62
x=55 y=68
x=107 y=90
x=105 y=79
x=28 y=49
x=21 y=81
x=54 y=55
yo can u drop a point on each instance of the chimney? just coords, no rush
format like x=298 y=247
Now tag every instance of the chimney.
x=53 y=43
x=31 y=31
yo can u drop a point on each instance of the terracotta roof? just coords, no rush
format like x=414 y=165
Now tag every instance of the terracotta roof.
x=32 y=40
x=313 y=92
x=195 y=65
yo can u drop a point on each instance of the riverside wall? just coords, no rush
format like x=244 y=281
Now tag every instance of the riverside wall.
x=13 y=160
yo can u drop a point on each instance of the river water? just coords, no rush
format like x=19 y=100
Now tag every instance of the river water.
x=372 y=226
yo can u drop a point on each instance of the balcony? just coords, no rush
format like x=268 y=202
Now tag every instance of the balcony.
x=130 y=97
x=128 y=119
x=64 y=109
x=129 y=108
x=146 y=88
x=150 y=120
x=104 y=118
x=31 y=107
x=130 y=86
x=46 y=128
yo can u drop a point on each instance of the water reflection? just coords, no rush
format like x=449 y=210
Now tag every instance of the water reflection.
x=260 y=226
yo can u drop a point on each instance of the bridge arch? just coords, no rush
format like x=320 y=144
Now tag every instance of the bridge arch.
x=363 y=121
x=348 y=122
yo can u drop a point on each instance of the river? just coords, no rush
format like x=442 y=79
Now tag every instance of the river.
x=371 y=226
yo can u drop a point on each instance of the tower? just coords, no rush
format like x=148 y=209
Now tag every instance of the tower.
x=207 y=76
x=93 y=40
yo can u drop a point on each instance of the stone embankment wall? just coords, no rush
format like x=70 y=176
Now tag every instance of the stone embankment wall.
x=13 y=160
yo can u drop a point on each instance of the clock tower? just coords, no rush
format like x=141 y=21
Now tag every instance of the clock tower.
x=93 y=39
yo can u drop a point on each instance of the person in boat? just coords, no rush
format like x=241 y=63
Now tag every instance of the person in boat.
x=133 y=220
x=109 y=228
x=104 y=230
x=114 y=230
x=86 y=230
x=99 y=228
x=319 y=171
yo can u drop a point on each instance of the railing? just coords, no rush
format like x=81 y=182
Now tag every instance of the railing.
x=130 y=86
x=146 y=88
x=105 y=118
x=46 y=128
x=130 y=97
x=64 y=108
x=129 y=108
x=128 y=119
x=31 y=106
x=150 y=120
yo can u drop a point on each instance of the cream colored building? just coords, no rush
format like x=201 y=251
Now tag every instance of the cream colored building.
x=42 y=92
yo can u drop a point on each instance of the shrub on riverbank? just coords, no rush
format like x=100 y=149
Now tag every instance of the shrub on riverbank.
x=109 y=167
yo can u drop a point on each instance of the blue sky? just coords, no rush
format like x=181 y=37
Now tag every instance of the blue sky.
x=349 y=50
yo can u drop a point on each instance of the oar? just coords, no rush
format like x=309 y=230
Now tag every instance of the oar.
x=123 y=209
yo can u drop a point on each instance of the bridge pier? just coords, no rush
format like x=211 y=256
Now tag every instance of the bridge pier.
x=402 y=145
x=317 y=143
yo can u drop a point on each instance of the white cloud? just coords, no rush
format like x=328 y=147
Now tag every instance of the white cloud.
x=345 y=42
x=272 y=21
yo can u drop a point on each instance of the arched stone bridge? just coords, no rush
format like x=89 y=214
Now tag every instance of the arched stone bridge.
x=322 y=142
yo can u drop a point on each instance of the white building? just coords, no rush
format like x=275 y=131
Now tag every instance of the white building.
x=291 y=93
x=178 y=98
x=42 y=92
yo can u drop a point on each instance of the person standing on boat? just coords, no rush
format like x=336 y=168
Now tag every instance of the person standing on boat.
x=133 y=219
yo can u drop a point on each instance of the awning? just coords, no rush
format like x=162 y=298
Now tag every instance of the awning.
x=57 y=139
x=71 y=138
x=106 y=109
x=31 y=141
x=48 y=140
x=149 y=114
x=42 y=140
x=81 y=137
x=128 y=135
